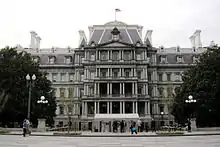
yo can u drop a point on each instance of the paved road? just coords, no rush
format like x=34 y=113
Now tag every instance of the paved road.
x=187 y=141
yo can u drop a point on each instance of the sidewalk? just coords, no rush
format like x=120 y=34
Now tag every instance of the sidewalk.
x=127 y=134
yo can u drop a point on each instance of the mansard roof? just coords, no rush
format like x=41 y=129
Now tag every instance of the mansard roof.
x=128 y=33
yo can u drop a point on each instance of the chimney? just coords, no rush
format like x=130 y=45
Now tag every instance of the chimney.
x=82 y=39
x=198 y=42
x=91 y=29
x=38 y=39
x=148 y=36
x=33 y=39
x=192 y=40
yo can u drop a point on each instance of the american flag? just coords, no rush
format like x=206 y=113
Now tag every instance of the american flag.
x=117 y=10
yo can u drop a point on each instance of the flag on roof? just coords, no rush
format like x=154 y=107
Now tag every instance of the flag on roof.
x=117 y=10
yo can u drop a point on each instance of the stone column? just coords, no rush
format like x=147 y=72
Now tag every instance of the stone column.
x=135 y=73
x=108 y=89
x=148 y=108
x=134 y=55
x=107 y=107
x=95 y=110
x=108 y=75
x=97 y=54
x=136 y=107
x=120 y=72
x=136 y=88
x=83 y=108
x=145 y=108
x=122 y=53
x=123 y=107
x=98 y=89
x=132 y=88
x=123 y=72
x=123 y=89
x=96 y=72
x=144 y=90
x=108 y=56
x=120 y=89
x=120 y=107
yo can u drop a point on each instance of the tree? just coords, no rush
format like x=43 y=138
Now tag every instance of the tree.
x=14 y=67
x=203 y=83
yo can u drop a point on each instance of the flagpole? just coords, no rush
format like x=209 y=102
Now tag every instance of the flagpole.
x=115 y=14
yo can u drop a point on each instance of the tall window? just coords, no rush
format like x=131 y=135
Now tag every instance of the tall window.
x=140 y=90
x=149 y=76
x=71 y=92
x=139 y=74
x=62 y=76
x=126 y=55
x=161 y=91
x=127 y=73
x=61 y=109
x=168 y=77
x=169 y=91
x=104 y=55
x=54 y=77
x=68 y=59
x=51 y=60
x=150 y=91
x=62 y=92
x=71 y=77
x=115 y=55
x=160 y=77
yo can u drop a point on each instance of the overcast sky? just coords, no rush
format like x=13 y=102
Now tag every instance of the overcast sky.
x=58 y=21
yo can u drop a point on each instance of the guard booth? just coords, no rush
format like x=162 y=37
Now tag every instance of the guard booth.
x=104 y=122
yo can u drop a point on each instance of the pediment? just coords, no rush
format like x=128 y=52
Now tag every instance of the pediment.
x=115 y=44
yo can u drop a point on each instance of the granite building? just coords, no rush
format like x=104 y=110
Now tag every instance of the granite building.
x=115 y=75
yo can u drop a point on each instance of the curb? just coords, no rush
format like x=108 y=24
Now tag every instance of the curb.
x=173 y=135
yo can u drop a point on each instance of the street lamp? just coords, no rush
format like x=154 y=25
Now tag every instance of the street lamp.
x=69 y=122
x=162 y=113
x=30 y=83
x=42 y=100
x=190 y=100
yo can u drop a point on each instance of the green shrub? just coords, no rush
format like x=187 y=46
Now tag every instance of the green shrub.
x=3 y=131
x=170 y=133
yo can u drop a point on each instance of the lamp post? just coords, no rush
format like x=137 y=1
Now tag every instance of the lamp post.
x=42 y=100
x=189 y=101
x=162 y=113
x=69 y=122
x=30 y=83
x=41 y=122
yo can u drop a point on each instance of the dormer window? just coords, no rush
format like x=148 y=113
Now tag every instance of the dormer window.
x=138 y=44
x=179 y=59
x=68 y=59
x=51 y=60
x=195 y=59
x=36 y=59
x=163 y=59
x=161 y=48
x=178 y=48
x=115 y=34
x=92 y=43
